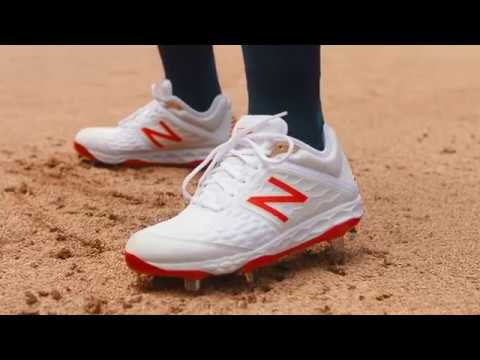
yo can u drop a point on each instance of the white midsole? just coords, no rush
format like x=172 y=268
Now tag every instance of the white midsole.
x=304 y=232
x=181 y=156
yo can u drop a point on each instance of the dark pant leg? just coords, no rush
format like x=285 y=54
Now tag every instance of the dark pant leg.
x=287 y=78
x=191 y=68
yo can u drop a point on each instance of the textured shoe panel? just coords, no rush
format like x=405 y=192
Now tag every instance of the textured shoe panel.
x=190 y=138
x=150 y=246
x=244 y=228
x=112 y=140
x=314 y=203
x=172 y=132
x=219 y=112
x=234 y=227
x=322 y=195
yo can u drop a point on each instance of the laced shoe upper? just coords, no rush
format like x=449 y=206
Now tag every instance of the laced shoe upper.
x=222 y=218
x=165 y=123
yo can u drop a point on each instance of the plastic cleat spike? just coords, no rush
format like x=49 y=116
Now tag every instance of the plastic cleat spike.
x=193 y=285
x=352 y=234
x=249 y=277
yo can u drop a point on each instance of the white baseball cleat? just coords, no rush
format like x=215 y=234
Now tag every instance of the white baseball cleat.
x=165 y=131
x=263 y=195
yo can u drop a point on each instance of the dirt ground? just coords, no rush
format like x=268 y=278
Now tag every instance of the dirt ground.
x=408 y=117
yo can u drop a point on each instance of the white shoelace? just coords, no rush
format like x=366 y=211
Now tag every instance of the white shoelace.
x=151 y=109
x=241 y=146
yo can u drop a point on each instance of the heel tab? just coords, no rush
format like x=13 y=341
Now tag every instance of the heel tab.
x=222 y=100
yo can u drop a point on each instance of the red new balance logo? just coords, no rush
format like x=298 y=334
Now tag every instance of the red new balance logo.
x=294 y=196
x=168 y=135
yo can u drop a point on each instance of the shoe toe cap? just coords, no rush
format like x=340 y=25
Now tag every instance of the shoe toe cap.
x=92 y=138
x=152 y=246
x=110 y=140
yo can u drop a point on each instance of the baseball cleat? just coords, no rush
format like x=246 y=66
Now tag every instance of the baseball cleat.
x=165 y=131
x=263 y=195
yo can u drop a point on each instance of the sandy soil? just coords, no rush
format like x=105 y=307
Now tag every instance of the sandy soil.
x=408 y=118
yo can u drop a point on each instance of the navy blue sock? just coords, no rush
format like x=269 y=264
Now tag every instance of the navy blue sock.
x=287 y=78
x=191 y=68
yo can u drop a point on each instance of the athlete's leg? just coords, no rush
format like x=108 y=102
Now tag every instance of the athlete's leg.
x=191 y=68
x=287 y=77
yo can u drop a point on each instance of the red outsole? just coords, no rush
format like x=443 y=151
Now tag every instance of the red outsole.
x=82 y=151
x=140 y=266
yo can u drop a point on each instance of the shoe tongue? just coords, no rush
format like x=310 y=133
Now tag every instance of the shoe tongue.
x=163 y=91
x=274 y=125
x=215 y=194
